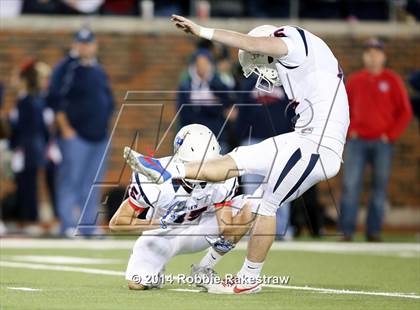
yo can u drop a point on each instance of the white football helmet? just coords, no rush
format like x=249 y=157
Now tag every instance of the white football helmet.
x=195 y=142
x=262 y=65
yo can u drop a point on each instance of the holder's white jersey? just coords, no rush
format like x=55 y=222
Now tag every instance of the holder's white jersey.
x=312 y=77
x=157 y=198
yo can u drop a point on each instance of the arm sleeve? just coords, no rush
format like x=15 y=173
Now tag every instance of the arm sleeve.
x=403 y=113
x=225 y=191
x=55 y=98
x=137 y=197
x=145 y=195
x=297 y=46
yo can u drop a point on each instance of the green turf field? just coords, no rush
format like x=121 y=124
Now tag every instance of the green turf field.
x=319 y=279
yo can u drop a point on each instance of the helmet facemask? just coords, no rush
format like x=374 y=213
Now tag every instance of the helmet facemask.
x=263 y=67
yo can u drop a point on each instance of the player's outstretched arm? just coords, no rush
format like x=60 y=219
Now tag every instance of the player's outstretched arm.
x=125 y=220
x=259 y=45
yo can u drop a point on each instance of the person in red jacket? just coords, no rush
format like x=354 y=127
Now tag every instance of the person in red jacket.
x=379 y=112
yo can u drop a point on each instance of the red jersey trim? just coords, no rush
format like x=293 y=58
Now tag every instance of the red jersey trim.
x=135 y=207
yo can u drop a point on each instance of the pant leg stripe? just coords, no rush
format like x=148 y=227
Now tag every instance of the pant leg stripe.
x=289 y=165
x=308 y=170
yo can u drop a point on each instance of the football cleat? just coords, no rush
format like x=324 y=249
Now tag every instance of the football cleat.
x=133 y=286
x=148 y=166
x=234 y=287
x=203 y=276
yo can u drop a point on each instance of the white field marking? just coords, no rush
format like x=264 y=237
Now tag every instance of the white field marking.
x=26 y=289
x=290 y=287
x=392 y=249
x=60 y=268
x=63 y=259
x=185 y=290
x=344 y=292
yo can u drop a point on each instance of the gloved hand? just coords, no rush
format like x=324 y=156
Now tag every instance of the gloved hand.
x=220 y=244
x=174 y=214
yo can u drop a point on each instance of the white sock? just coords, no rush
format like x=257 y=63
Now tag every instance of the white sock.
x=210 y=259
x=177 y=170
x=250 y=269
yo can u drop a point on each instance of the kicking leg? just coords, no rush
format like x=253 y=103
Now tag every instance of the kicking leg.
x=245 y=159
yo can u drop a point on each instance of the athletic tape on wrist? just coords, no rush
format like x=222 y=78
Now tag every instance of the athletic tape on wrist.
x=206 y=33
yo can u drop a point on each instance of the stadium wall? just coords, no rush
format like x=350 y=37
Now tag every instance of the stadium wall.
x=149 y=56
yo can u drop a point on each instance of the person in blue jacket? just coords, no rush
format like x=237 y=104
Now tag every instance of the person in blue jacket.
x=203 y=98
x=81 y=95
x=28 y=142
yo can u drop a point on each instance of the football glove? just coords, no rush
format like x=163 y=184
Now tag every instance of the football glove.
x=174 y=215
x=220 y=244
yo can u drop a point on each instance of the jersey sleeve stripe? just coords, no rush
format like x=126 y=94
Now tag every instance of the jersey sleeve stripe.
x=302 y=34
x=287 y=67
x=223 y=204
x=134 y=206
x=143 y=195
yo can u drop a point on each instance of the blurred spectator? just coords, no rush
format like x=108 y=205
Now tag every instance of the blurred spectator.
x=120 y=7
x=41 y=7
x=81 y=94
x=168 y=7
x=202 y=96
x=262 y=115
x=29 y=125
x=10 y=8
x=224 y=68
x=53 y=154
x=379 y=113
x=67 y=7
x=413 y=8
x=350 y=9
x=267 y=9
x=415 y=100
x=4 y=123
x=82 y=6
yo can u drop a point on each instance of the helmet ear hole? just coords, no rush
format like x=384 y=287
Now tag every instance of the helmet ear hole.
x=270 y=59
x=192 y=149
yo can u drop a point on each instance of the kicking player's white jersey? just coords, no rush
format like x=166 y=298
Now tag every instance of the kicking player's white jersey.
x=311 y=76
x=294 y=162
x=155 y=248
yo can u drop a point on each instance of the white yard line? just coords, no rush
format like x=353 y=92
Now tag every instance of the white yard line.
x=344 y=292
x=60 y=268
x=393 y=249
x=25 y=289
x=185 y=290
x=290 y=287
x=49 y=259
